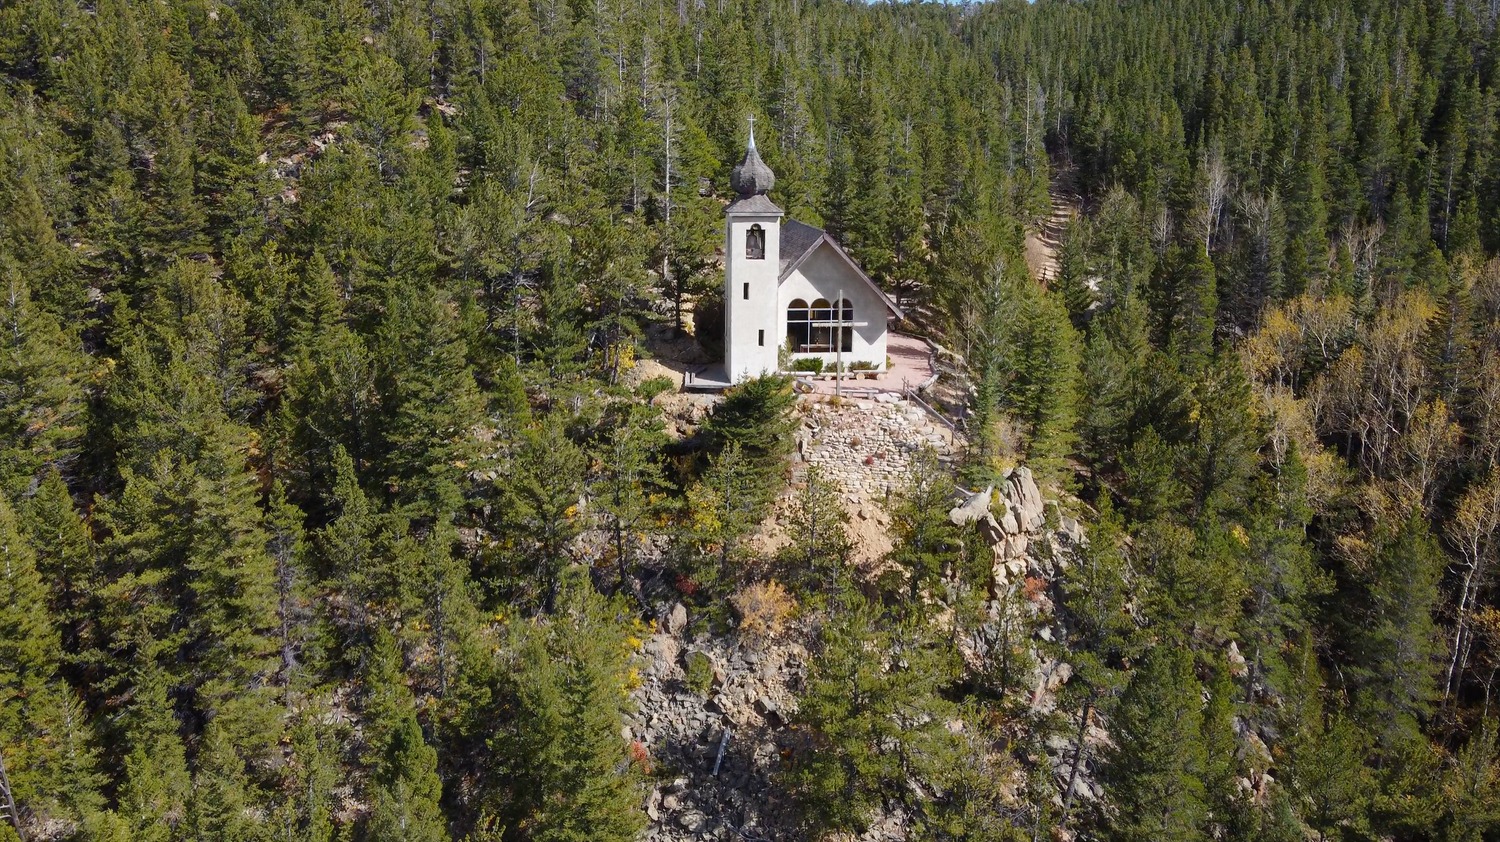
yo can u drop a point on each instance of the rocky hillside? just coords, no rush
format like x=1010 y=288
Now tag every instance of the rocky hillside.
x=715 y=710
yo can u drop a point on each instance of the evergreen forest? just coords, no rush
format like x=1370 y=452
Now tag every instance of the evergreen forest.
x=334 y=504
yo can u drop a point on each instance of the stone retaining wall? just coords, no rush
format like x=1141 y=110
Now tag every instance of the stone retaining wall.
x=867 y=446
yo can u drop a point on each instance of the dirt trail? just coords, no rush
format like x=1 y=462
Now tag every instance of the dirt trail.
x=1043 y=245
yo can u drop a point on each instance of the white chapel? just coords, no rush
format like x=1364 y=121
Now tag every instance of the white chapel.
x=789 y=285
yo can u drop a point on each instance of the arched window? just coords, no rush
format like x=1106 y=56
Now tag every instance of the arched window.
x=846 y=326
x=798 y=328
x=755 y=243
x=811 y=329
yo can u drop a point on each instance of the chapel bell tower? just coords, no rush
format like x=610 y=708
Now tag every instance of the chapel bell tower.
x=753 y=330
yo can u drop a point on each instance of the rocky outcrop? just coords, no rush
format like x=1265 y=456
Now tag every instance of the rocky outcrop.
x=717 y=747
x=1023 y=499
x=1007 y=523
x=1032 y=543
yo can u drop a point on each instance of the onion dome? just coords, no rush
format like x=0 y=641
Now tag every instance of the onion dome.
x=752 y=177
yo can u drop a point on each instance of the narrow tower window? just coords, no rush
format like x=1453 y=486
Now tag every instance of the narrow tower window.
x=755 y=243
x=746 y=292
x=762 y=338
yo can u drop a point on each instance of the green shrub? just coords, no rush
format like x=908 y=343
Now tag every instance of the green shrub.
x=809 y=364
x=699 y=669
x=651 y=387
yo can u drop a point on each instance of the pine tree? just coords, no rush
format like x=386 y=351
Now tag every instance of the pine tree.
x=447 y=608
x=860 y=201
x=1122 y=386
x=609 y=269
x=1220 y=456
x=1227 y=813
x=538 y=510
x=1395 y=646
x=627 y=488
x=330 y=403
x=817 y=552
x=34 y=192
x=45 y=740
x=756 y=415
x=876 y=723
x=42 y=400
x=1326 y=771
x=294 y=610
x=1186 y=315
x=1074 y=283
x=927 y=544
x=1155 y=773
x=1098 y=591
x=722 y=510
x=1045 y=391
x=429 y=407
x=404 y=787
x=384 y=108
x=156 y=787
x=351 y=552
x=568 y=677
x=1281 y=574
x=66 y=558
x=33 y=650
x=220 y=803
x=187 y=578
x=312 y=773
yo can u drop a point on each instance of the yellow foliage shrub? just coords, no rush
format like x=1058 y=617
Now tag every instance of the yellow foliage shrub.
x=764 y=609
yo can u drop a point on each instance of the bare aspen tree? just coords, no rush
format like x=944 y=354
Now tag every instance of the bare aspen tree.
x=1215 y=192
x=666 y=253
x=1474 y=531
x=1373 y=391
x=1326 y=325
x=1161 y=232
x=1484 y=409
x=1429 y=446
x=1363 y=242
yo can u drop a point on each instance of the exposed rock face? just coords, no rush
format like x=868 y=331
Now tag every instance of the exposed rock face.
x=1028 y=558
x=752 y=695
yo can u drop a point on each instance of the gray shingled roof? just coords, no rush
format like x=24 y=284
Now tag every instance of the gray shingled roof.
x=797 y=239
x=756 y=204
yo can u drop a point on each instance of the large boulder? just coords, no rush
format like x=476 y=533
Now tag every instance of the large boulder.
x=991 y=532
x=1024 y=498
x=675 y=621
x=972 y=509
x=1072 y=529
x=1009 y=523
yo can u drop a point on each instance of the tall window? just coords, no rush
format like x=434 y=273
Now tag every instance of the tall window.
x=755 y=243
x=811 y=329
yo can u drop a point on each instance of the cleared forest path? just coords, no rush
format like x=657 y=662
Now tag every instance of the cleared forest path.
x=1044 y=244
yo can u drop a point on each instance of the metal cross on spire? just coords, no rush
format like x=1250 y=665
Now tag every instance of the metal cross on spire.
x=751 y=118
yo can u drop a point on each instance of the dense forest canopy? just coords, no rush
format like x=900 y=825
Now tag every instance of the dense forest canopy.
x=329 y=508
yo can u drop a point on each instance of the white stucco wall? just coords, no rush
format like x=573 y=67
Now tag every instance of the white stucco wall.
x=747 y=351
x=822 y=275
